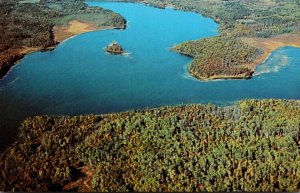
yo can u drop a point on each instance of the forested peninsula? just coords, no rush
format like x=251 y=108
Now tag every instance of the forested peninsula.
x=235 y=53
x=33 y=25
x=250 y=146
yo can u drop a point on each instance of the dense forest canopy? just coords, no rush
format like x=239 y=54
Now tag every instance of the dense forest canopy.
x=219 y=56
x=250 y=146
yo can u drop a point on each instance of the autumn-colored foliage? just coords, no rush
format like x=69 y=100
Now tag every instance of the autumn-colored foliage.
x=250 y=146
x=219 y=56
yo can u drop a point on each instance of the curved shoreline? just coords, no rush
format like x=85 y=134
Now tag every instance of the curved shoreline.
x=4 y=70
x=20 y=53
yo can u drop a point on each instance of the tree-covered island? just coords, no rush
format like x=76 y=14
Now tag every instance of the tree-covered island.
x=115 y=48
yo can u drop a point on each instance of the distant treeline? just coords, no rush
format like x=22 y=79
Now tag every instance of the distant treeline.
x=29 y=24
x=255 y=18
x=250 y=146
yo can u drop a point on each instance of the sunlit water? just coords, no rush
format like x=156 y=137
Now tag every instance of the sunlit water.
x=79 y=77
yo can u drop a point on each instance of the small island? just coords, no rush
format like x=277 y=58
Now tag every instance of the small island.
x=114 y=48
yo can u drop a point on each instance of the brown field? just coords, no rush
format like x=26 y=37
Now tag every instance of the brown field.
x=75 y=27
x=268 y=45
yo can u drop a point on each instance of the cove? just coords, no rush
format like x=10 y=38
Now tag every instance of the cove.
x=79 y=77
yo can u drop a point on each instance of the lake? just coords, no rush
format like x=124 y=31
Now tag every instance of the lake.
x=79 y=77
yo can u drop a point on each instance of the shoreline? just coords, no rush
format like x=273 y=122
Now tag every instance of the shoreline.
x=61 y=34
x=5 y=69
x=225 y=77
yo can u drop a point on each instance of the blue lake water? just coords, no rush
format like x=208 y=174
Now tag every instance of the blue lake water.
x=79 y=77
